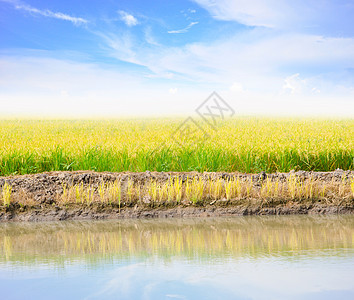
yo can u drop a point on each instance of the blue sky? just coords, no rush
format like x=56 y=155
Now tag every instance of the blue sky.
x=165 y=57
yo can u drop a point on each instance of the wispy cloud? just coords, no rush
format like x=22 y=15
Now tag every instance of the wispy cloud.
x=149 y=37
x=122 y=45
x=128 y=19
x=252 y=13
x=46 y=12
x=302 y=15
x=184 y=30
x=258 y=60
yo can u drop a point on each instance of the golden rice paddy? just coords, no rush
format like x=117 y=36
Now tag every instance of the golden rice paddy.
x=241 y=144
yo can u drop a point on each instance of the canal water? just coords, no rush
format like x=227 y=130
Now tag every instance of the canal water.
x=271 y=257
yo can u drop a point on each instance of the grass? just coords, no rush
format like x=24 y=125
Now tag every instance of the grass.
x=242 y=144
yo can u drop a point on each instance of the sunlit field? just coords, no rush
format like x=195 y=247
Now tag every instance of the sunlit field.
x=241 y=144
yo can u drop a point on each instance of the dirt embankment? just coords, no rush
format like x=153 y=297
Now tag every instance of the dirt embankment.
x=37 y=197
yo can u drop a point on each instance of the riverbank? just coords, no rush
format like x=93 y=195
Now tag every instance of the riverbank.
x=91 y=195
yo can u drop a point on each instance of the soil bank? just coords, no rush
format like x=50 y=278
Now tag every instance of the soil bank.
x=43 y=188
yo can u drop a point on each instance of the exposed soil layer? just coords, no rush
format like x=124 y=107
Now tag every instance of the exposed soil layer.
x=43 y=188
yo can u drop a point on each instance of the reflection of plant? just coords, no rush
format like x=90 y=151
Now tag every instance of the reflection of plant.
x=239 y=237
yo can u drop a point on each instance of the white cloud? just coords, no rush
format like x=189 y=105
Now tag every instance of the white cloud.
x=301 y=15
x=122 y=45
x=293 y=83
x=128 y=19
x=260 y=63
x=253 y=58
x=149 y=37
x=64 y=93
x=47 y=86
x=253 y=13
x=173 y=90
x=236 y=87
x=257 y=69
x=46 y=12
x=184 y=30
x=37 y=85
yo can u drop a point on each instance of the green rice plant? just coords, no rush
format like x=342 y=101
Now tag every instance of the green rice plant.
x=6 y=194
x=114 y=192
x=65 y=191
x=216 y=188
x=162 y=191
x=323 y=191
x=139 y=190
x=153 y=190
x=194 y=189
x=88 y=194
x=198 y=187
x=188 y=189
x=292 y=185
x=309 y=188
x=102 y=191
x=65 y=197
x=130 y=190
x=249 y=187
x=276 y=189
x=233 y=188
x=238 y=187
x=299 y=188
x=177 y=188
x=79 y=190
x=229 y=189
x=170 y=190
x=266 y=188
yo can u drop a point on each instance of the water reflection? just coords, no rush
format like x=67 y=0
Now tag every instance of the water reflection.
x=235 y=258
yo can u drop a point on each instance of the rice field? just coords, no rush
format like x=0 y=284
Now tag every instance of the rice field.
x=242 y=144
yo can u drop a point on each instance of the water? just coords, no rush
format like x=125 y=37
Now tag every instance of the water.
x=290 y=257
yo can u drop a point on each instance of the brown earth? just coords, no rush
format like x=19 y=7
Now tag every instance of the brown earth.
x=43 y=188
